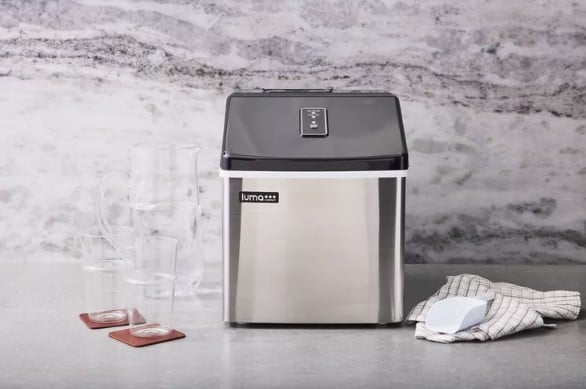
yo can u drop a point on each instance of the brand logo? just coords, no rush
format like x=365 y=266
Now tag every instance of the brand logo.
x=259 y=197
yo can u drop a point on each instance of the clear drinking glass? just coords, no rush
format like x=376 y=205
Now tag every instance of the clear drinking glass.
x=150 y=286
x=163 y=200
x=103 y=268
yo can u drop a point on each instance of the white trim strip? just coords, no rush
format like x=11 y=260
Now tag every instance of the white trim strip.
x=313 y=174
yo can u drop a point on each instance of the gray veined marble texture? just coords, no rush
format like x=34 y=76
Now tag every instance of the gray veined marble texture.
x=493 y=95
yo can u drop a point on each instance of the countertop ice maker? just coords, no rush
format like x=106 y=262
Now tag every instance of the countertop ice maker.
x=313 y=207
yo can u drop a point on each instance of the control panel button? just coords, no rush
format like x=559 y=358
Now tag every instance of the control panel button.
x=313 y=122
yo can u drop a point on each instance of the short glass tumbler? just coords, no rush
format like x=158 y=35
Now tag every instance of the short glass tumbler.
x=150 y=286
x=103 y=268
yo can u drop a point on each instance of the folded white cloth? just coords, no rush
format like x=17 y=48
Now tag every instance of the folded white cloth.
x=514 y=309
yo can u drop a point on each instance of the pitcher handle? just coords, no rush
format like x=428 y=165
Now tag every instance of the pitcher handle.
x=104 y=226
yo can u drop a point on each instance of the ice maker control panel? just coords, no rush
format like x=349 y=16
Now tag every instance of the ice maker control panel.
x=313 y=122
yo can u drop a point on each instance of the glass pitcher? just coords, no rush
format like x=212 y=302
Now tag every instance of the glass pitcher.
x=163 y=200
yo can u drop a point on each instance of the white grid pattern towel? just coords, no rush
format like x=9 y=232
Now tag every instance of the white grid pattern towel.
x=514 y=309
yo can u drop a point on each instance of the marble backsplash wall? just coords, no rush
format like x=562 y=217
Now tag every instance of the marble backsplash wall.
x=493 y=96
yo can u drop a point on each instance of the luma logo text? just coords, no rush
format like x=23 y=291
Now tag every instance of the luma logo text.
x=259 y=197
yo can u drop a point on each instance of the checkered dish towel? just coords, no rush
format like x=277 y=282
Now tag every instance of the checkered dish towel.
x=514 y=309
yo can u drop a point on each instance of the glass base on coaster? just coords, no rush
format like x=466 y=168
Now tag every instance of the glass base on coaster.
x=110 y=317
x=123 y=321
x=150 y=331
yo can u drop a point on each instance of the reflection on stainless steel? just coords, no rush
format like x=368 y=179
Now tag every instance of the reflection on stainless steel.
x=331 y=251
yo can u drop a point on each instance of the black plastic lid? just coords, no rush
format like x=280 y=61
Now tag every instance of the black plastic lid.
x=289 y=130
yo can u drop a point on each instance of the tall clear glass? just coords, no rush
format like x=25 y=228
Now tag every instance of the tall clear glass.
x=150 y=283
x=163 y=200
x=104 y=267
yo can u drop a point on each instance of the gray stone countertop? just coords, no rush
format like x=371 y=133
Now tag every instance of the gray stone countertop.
x=44 y=344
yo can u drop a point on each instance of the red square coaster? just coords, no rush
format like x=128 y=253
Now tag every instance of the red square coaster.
x=125 y=336
x=93 y=325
